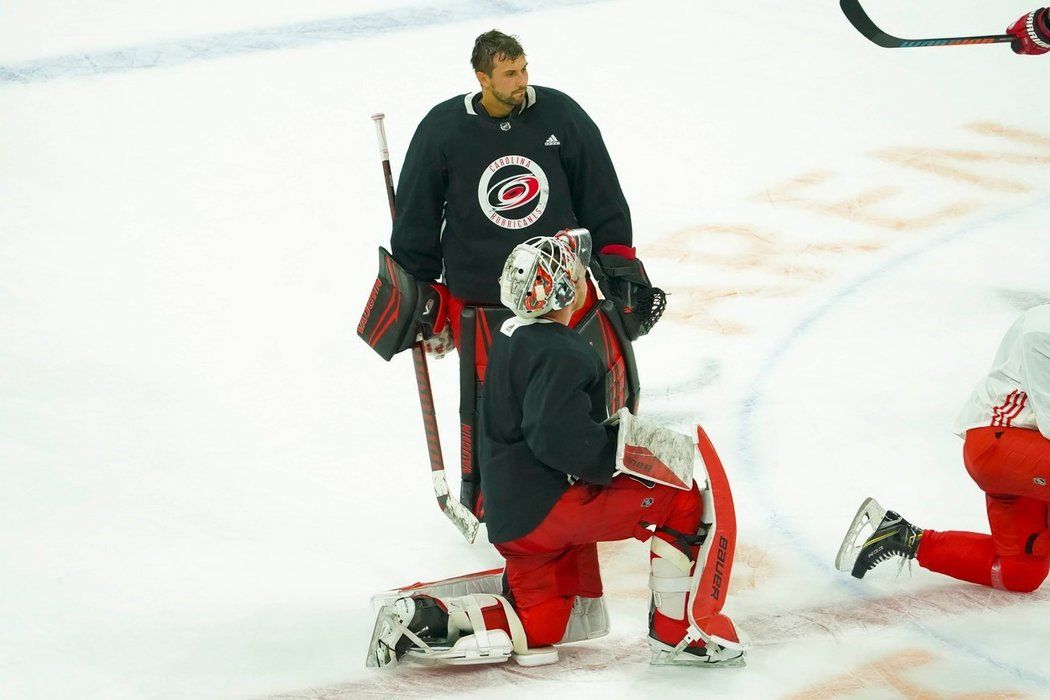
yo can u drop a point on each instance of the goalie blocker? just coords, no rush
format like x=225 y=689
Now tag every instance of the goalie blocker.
x=400 y=309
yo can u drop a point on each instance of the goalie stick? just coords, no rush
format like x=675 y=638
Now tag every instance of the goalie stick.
x=859 y=19
x=461 y=517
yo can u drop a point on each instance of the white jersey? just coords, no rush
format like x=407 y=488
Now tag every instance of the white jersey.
x=1016 y=392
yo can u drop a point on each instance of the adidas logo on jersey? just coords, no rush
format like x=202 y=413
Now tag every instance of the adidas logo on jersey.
x=552 y=141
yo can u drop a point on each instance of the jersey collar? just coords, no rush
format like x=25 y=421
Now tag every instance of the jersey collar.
x=530 y=100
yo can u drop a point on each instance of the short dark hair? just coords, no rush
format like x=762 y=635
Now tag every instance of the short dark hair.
x=494 y=45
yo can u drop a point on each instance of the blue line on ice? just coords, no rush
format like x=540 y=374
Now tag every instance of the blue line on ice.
x=216 y=46
x=753 y=397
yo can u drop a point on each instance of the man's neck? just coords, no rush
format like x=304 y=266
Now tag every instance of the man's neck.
x=561 y=316
x=494 y=108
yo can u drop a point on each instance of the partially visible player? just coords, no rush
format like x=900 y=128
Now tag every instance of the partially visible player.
x=1006 y=427
x=553 y=488
x=1032 y=31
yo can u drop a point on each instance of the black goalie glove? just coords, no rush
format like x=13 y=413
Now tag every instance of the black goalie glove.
x=623 y=280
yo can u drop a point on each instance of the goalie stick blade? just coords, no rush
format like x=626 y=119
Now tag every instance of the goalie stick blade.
x=860 y=19
x=465 y=521
x=869 y=515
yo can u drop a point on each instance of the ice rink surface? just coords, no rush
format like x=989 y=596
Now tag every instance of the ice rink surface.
x=206 y=475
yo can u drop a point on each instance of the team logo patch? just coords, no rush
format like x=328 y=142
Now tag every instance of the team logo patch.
x=513 y=192
x=647 y=502
x=1039 y=481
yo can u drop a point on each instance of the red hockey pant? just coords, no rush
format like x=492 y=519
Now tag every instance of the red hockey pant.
x=1012 y=467
x=557 y=561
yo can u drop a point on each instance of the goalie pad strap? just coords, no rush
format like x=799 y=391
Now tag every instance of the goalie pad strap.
x=517 y=630
x=667 y=551
x=676 y=584
x=466 y=614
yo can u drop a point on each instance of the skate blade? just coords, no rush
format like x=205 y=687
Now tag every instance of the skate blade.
x=725 y=658
x=868 y=517
x=729 y=656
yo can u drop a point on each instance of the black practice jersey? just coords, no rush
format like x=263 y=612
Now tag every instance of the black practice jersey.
x=541 y=422
x=472 y=187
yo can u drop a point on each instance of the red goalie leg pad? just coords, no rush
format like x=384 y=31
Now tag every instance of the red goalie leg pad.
x=714 y=583
x=718 y=625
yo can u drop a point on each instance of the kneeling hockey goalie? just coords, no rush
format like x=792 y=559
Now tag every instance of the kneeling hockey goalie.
x=559 y=478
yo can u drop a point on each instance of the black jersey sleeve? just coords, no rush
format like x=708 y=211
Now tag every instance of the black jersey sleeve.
x=416 y=238
x=596 y=195
x=557 y=423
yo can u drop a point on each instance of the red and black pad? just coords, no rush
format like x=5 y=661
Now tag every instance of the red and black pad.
x=602 y=328
x=599 y=325
x=710 y=592
x=390 y=321
x=477 y=325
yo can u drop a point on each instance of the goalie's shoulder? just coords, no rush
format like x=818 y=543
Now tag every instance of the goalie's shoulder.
x=453 y=110
x=548 y=98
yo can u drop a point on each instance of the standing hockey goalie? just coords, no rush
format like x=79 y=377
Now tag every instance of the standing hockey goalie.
x=558 y=479
x=1006 y=450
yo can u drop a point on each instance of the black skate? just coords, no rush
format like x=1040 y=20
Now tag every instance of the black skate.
x=890 y=536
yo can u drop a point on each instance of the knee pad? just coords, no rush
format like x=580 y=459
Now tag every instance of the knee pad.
x=1021 y=574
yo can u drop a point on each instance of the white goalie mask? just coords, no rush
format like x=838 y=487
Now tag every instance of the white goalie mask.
x=540 y=275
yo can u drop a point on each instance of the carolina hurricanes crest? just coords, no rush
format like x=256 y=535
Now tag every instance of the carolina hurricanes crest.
x=513 y=192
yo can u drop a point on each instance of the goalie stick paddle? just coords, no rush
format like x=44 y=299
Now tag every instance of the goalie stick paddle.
x=461 y=517
x=859 y=19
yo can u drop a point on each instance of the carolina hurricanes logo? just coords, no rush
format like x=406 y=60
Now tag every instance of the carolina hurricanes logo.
x=513 y=192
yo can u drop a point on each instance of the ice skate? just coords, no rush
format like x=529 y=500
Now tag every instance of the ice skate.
x=890 y=536
x=722 y=647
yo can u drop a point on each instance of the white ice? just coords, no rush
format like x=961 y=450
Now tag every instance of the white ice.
x=205 y=474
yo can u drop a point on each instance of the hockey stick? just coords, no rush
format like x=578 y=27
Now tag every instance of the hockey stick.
x=859 y=19
x=463 y=519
